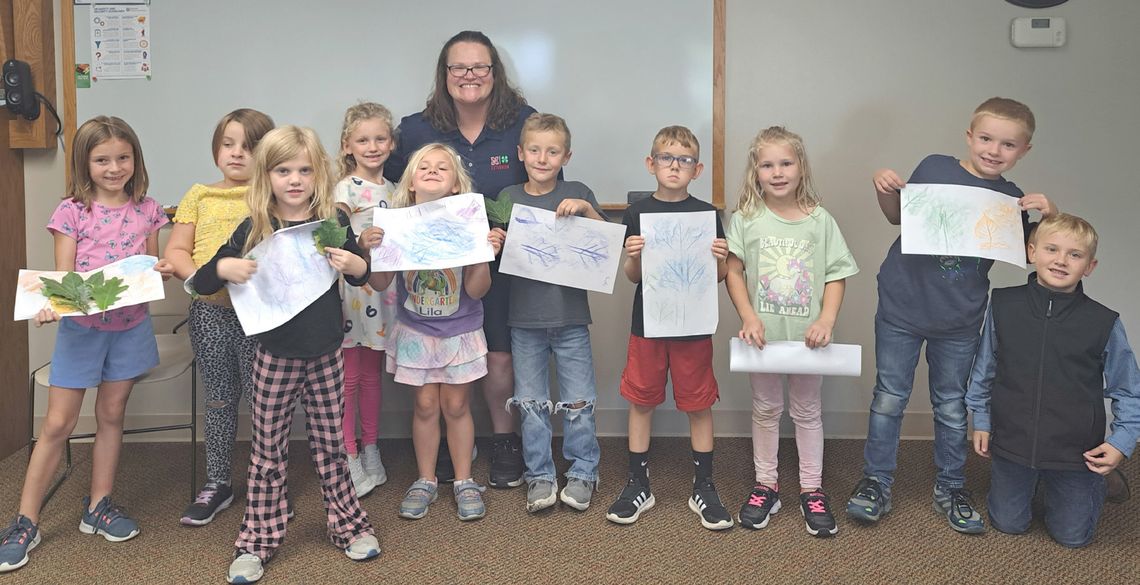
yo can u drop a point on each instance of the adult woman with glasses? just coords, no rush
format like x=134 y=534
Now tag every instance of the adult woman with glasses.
x=475 y=109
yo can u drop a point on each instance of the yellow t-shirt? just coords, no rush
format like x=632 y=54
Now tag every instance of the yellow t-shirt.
x=215 y=213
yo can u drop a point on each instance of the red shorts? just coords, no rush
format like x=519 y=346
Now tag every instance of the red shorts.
x=648 y=361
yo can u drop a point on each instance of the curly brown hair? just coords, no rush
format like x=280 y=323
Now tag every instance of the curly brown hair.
x=506 y=101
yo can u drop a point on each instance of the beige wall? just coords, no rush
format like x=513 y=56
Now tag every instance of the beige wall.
x=868 y=84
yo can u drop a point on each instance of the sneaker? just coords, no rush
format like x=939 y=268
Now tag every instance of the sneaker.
x=868 y=502
x=762 y=503
x=956 y=506
x=246 y=568
x=706 y=503
x=16 y=541
x=507 y=465
x=213 y=498
x=444 y=468
x=364 y=548
x=418 y=498
x=107 y=519
x=634 y=499
x=373 y=466
x=361 y=481
x=1116 y=487
x=469 y=499
x=541 y=494
x=817 y=514
x=288 y=510
x=577 y=493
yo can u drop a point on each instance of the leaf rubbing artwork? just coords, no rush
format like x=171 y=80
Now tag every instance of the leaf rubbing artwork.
x=989 y=225
x=330 y=234
x=499 y=210
x=72 y=293
x=943 y=219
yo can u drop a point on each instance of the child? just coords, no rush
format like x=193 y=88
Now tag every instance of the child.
x=437 y=345
x=1049 y=355
x=673 y=160
x=550 y=319
x=940 y=300
x=106 y=216
x=787 y=267
x=206 y=217
x=300 y=360
x=365 y=142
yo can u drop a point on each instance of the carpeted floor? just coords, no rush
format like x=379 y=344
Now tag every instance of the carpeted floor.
x=668 y=545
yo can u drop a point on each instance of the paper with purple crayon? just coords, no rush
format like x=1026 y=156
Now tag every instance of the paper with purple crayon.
x=570 y=251
x=957 y=220
x=445 y=233
x=678 y=274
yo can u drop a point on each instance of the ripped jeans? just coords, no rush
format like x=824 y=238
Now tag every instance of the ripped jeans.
x=574 y=362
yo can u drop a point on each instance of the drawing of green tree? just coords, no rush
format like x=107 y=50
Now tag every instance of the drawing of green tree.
x=941 y=218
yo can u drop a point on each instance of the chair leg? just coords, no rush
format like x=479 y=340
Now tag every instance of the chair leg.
x=62 y=476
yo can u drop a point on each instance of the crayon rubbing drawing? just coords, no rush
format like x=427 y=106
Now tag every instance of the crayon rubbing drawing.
x=569 y=251
x=678 y=274
x=445 y=233
x=582 y=248
x=961 y=221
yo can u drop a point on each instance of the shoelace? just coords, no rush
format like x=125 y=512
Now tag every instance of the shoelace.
x=817 y=505
x=111 y=513
x=867 y=490
x=960 y=499
x=206 y=494
x=16 y=532
x=757 y=499
x=468 y=493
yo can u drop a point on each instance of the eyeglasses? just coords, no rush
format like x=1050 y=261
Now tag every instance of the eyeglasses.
x=664 y=159
x=463 y=70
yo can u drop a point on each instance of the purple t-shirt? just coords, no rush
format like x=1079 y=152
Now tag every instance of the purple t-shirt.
x=104 y=235
x=434 y=303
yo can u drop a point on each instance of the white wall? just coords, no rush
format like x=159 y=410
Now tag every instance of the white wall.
x=868 y=84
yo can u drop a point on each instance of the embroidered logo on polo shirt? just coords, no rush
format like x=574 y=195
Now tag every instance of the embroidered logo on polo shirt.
x=500 y=162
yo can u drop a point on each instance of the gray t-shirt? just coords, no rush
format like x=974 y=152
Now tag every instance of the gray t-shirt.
x=534 y=304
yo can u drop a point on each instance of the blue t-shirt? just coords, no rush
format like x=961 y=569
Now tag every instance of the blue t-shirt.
x=939 y=296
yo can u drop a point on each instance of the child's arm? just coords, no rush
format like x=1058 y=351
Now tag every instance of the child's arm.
x=64 y=261
x=1122 y=386
x=1039 y=202
x=818 y=334
x=981 y=383
x=887 y=185
x=752 y=328
x=178 y=258
x=632 y=266
x=720 y=252
x=350 y=260
x=227 y=265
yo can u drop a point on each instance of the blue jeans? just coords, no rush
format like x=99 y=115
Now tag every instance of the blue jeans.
x=1073 y=501
x=896 y=356
x=531 y=350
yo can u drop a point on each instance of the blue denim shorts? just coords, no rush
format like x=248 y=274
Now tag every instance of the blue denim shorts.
x=84 y=357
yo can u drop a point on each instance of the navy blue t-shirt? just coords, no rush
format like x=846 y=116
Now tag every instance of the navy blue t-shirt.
x=939 y=296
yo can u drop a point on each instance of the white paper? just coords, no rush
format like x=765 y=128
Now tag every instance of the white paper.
x=291 y=274
x=678 y=274
x=956 y=220
x=445 y=233
x=794 y=357
x=120 y=42
x=137 y=272
x=570 y=251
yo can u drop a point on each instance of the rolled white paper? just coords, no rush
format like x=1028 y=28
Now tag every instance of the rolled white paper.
x=794 y=357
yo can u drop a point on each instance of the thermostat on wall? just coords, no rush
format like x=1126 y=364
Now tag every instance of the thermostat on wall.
x=1037 y=31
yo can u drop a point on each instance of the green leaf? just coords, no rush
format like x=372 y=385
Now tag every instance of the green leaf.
x=106 y=293
x=330 y=234
x=70 y=292
x=499 y=210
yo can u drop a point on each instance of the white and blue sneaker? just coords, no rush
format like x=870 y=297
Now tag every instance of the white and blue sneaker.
x=16 y=541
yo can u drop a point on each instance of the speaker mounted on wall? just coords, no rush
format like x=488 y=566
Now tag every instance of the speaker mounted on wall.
x=19 y=91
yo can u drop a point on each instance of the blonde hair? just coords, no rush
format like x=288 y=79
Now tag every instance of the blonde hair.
x=1063 y=223
x=751 y=195
x=537 y=122
x=254 y=125
x=276 y=147
x=353 y=116
x=1007 y=109
x=96 y=131
x=676 y=135
x=405 y=197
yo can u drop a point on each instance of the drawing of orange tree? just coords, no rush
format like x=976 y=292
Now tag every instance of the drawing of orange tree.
x=989 y=227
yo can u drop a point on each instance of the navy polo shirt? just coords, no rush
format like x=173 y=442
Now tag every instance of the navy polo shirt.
x=492 y=160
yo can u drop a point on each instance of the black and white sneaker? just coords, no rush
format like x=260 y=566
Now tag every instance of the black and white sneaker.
x=817 y=514
x=507 y=467
x=706 y=503
x=213 y=498
x=635 y=498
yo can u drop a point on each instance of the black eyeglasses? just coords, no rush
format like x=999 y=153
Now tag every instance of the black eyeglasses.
x=664 y=159
x=463 y=70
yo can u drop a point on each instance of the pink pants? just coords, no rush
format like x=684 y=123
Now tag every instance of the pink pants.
x=805 y=408
x=362 y=366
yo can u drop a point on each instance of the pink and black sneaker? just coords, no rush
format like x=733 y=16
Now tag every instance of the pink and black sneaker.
x=817 y=514
x=762 y=503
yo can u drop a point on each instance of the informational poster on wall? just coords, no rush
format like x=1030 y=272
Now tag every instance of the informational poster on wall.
x=120 y=42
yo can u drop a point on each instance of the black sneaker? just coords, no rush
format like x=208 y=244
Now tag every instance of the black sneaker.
x=762 y=503
x=507 y=465
x=1116 y=487
x=868 y=502
x=706 y=503
x=817 y=514
x=444 y=470
x=213 y=498
x=635 y=498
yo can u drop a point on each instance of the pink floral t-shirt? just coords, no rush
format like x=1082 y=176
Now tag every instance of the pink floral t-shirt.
x=104 y=235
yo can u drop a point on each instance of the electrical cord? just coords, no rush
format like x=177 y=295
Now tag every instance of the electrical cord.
x=58 y=123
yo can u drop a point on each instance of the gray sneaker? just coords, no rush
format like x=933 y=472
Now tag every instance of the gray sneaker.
x=418 y=498
x=373 y=466
x=469 y=499
x=361 y=481
x=540 y=494
x=247 y=568
x=577 y=493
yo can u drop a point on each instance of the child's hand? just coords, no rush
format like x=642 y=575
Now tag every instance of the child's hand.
x=46 y=315
x=1103 y=459
x=752 y=331
x=818 y=334
x=1039 y=202
x=572 y=207
x=165 y=268
x=497 y=237
x=887 y=182
x=370 y=238
x=720 y=249
x=982 y=443
x=236 y=270
x=346 y=262
x=633 y=246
